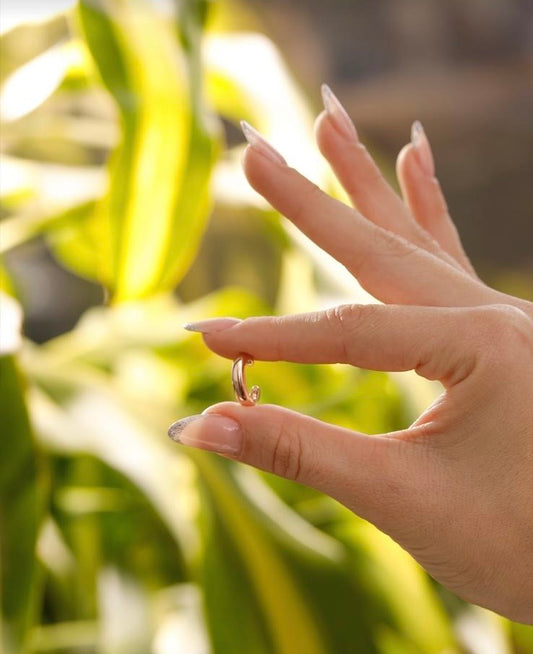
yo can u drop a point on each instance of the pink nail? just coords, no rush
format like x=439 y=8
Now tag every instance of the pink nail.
x=259 y=142
x=338 y=114
x=422 y=148
x=211 y=325
x=208 y=431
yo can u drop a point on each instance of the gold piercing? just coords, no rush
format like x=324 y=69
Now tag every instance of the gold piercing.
x=239 y=381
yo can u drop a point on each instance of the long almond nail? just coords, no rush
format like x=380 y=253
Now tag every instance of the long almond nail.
x=422 y=148
x=211 y=325
x=259 y=142
x=209 y=431
x=338 y=113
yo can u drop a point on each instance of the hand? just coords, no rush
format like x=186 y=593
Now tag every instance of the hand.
x=455 y=489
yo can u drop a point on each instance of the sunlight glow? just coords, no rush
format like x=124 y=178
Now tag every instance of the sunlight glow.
x=253 y=63
x=10 y=324
x=21 y=12
x=29 y=86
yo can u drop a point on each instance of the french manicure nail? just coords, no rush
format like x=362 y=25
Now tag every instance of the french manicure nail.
x=338 y=113
x=422 y=148
x=259 y=142
x=208 y=431
x=211 y=325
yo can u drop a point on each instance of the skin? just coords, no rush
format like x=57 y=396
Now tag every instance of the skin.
x=455 y=489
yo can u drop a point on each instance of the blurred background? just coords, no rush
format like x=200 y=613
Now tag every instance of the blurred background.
x=125 y=214
x=465 y=70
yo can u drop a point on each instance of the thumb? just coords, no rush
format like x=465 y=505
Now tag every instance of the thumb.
x=375 y=476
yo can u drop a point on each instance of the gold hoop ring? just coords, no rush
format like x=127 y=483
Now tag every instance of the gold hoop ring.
x=245 y=397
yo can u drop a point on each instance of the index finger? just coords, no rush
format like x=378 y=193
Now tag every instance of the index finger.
x=434 y=341
x=387 y=265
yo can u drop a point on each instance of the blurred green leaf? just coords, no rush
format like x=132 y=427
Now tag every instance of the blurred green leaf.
x=77 y=238
x=281 y=607
x=20 y=512
x=313 y=580
x=94 y=421
x=65 y=636
x=32 y=84
x=6 y=284
x=26 y=41
x=155 y=212
x=134 y=522
x=522 y=636
x=63 y=229
x=415 y=607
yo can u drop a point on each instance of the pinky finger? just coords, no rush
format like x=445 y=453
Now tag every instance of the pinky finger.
x=423 y=195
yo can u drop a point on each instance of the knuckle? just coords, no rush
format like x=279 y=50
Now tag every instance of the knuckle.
x=504 y=332
x=345 y=322
x=340 y=320
x=346 y=316
x=374 y=177
x=337 y=317
x=287 y=452
x=277 y=331
x=440 y=201
x=396 y=245
x=504 y=320
x=368 y=178
x=368 y=169
x=388 y=245
x=313 y=194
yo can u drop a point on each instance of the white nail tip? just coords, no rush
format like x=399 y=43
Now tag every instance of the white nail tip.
x=258 y=141
x=416 y=133
x=338 y=113
x=421 y=144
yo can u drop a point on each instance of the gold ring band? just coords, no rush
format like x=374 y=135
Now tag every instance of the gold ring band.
x=245 y=397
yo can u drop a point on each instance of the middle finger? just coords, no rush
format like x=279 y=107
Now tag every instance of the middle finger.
x=388 y=266
x=366 y=186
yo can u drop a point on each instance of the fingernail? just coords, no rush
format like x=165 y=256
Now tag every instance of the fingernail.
x=211 y=325
x=338 y=113
x=208 y=431
x=259 y=142
x=422 y=148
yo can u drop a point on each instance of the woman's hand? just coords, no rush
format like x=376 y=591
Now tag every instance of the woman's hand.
x=455 y=489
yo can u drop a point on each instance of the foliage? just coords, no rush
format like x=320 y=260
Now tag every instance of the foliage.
x=112 y=538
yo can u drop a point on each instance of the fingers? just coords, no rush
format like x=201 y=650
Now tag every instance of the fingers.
x=370 y=475
x=423 y=195
x=388 y=266
x=368 y=190
x=438 y=343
